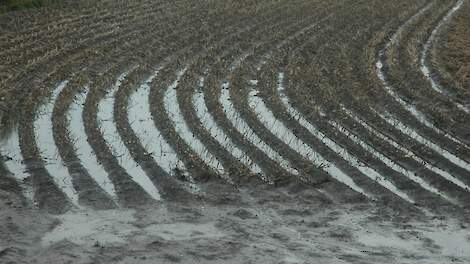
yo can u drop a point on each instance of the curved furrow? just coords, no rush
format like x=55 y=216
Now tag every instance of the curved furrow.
x=241 y=125
x=89 y=176
x=301 y=147
x=207 y=120
x=416 y=182
x=419 y=165
x=225 y=114
x=426 y=151
x=41 y=179
x=182 y=99
x=322 y=138
x=390 y=171
x=148 y=125
x=263 y=133
x=90 y=161
x=47 y=188
x=407 y=130
x=47 y=148
x=404 y=72
x=179 y=144
x=67 y=66
x=173 y=111
x=296 y=136
x=408 y=153
x=415 y=162
x=106 y=121
x=409 y=107
x=447 y=58
x=148 y=146
x=405 y=165
x=332 y=134
x=195 y=166
x=383 y=155
x=431 y=173
x=369 y=153
x=415 y=143
x=202 y=123
x=408 y=159
x=108 y=148
x=132 y=141
x=279 y=129
x=276 y=168
x=282 y=132
x=90 y=192
x=244 y=129
x=424 y=60
x=89 y=49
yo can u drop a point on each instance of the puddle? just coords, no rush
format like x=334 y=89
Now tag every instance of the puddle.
x=117 y=147
x=11 y=149
x=144 y=127
x=380 y=71
x=217 y=133
x=451 y=242
x=90 y=227
x=390 y=163
x=437 y=237
x=83 y=148
x=369 y=172
x=391 y=241
x=278 y=129
x=185 y=231
x=174 y=113
x=48 y=149
x=425 y=53
x=243 y=128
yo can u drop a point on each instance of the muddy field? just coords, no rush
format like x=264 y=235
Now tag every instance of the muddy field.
x=217 y=131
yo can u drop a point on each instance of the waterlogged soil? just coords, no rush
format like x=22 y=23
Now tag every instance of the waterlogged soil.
x=259 y=225
x=293 y=208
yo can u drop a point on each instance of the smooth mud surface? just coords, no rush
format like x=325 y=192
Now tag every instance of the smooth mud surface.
x=264 y=227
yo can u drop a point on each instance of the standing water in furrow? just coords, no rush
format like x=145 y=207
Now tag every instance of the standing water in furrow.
x=47 y=147
x=83 y=148
x=216 y=132
x=235 y=118
x=452 y=158
x=173 y=111
x=390 y=163
x=425 y=54
x=369 y=172
x=278 y=129
x=382 y=75
x=118 y=148
x=141 y=121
